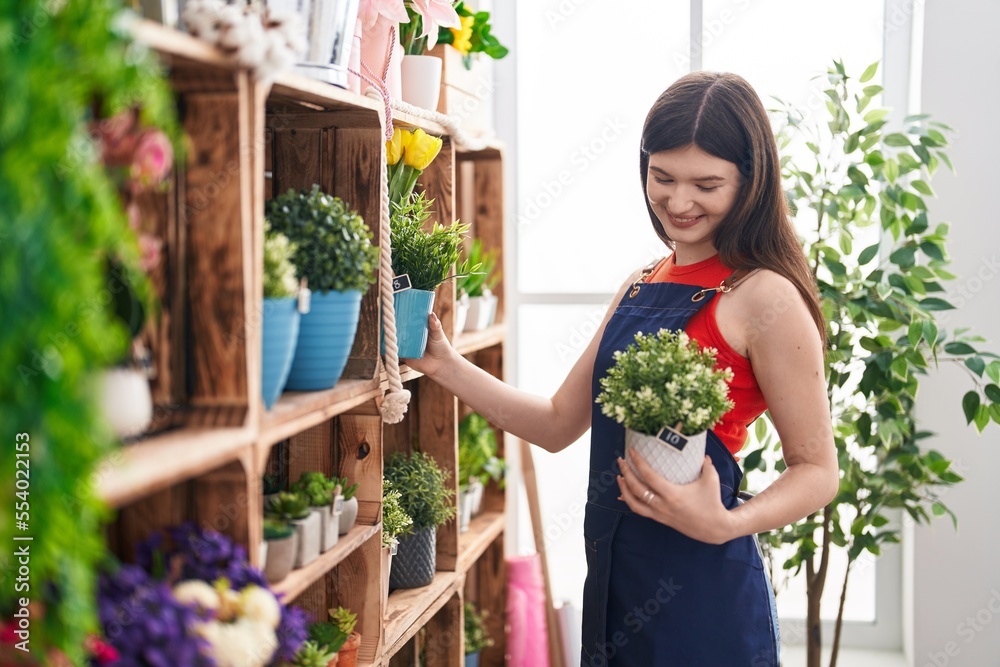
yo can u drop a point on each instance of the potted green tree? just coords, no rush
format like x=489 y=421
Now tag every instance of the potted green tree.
x=349 y=513
x=428 y=501
x=427 y=258
x=476 y=637
x=335 y=256
x=281 y=314
x=395 y=522
x=294 y=507
x=338 y=636
x=667 y=392
x=313 y=654
x=321 y=492
x=282 y=542
x=478 y=462
x=478 y=285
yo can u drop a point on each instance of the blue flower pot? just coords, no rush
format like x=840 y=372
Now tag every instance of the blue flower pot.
x=280 y=334
x=326 y=336
x=412 y=308
x=472 y=659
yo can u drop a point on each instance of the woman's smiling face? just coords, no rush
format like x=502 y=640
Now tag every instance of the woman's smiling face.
x=691 y=192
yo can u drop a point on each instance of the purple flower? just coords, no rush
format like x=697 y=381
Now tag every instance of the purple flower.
x=292 y=632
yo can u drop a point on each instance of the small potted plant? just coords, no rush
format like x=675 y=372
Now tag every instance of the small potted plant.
x=272 y=486
x=477 y=457
x=334 y=254
x=282 y=542
x=338 y=635
x=427 y=258
x=429 y=502
x=313 y=654
x=349 y=513
x=321 y=492
x=395 y=522
x=294 y=507
x=478 y=286
x=281 y=314
x=667 y=392
x=476 y=637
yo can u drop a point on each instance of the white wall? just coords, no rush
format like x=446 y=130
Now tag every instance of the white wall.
x=955 y=597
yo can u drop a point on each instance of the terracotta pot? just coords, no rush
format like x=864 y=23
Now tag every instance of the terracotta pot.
x=348 y=653
x=334 y=660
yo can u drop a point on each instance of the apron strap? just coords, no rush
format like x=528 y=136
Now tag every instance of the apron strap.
x=727 y=285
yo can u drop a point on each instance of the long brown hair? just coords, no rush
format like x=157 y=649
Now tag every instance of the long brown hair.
x=721 y=114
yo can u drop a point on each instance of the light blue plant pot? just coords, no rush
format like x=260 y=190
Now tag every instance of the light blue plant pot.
x=412 y=308
x=326 y=336
x=472 y=659
x=280 y=333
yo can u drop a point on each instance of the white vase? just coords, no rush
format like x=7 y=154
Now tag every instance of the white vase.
x=476 y=490
x=461 y=312
x=328 y=534
x=421 y=81
x=464 y=510
x=126 y=401
x=680 y=466
x=349 y=515
x=309 y=535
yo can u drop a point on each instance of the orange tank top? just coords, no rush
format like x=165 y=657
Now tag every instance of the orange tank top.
x=743 y=390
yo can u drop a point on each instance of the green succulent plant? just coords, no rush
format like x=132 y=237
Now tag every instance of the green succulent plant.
x=277 y=529
x=427 y=257
x=477 y=272
x=288 y=506
x=333 y=633
x=423 y=493
x=317 y=488
x=313 y=654
x=333 y=244
x=346 y=488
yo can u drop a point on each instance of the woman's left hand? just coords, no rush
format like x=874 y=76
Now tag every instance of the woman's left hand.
x=694 y=509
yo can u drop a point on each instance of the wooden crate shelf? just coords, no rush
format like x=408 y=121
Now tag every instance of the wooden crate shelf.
x=297 y=411
x=409 y=610
x=152 y=465
x=249 y=140
x=483 y=531
x=473 y=341
x=300 y=579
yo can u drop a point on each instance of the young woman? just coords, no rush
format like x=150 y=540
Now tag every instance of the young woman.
x=674 y=572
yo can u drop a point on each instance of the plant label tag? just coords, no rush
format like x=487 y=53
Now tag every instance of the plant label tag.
x=338 y=505
x=672 y=438
x=305 y=298
x=400 y=283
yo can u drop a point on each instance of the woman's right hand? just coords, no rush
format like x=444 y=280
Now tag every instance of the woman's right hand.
x=438 y=351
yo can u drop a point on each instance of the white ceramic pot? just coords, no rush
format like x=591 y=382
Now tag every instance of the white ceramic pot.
x=280 y=558
x=309 y=531
x=680 y=466
x=421 y=81
x=126 y=401
x=482 y=312
x=349 y=515
x=476 y=490
x=461 y=312
x=464 y=510
x=327 y=528
x=262 y=553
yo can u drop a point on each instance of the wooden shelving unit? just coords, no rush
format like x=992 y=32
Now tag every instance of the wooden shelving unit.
x=215 y=439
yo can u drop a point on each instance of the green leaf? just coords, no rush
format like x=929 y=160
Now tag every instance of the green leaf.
x=869 y=72
x=930 y=331
x=934 y=303
x=891 y=170
x=993 y=392
x=868 y=254
x=760 y=429
x=959 y=349
x=871 y=91
x=914 y=332
x=932 y=250
x=922 y=187
x=897 y=139
x=904 y=256
x=970 y=404
x=982 y=417
x=993 y=371
x=976 y=365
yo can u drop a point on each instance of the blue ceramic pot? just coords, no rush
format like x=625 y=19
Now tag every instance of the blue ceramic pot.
x=412 y=308
x=326 y=336
x=280 y=331
x=472 y=659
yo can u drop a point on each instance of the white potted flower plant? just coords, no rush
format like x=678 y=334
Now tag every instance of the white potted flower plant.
x=281 y=540
x=667 y=392
x=322 y=494
x=349 y=513
x=478 y=276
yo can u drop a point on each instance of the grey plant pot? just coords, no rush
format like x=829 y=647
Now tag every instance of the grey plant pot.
x=309 y=532
x=415 y=561
x=280 y=557
x=349 y=515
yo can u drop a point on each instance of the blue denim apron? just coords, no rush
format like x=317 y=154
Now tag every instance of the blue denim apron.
x=654 y=597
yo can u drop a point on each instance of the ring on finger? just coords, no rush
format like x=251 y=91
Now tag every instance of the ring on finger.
x=648 y=496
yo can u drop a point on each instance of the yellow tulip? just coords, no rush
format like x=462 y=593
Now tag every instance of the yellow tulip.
x=422 y=150
x=463 y=36
x=394 y=147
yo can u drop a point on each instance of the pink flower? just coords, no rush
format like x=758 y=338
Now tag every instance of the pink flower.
x=153 y=158
x=149 y=247
x=103 y=652
x=370 y=10
x=435 y=14
x=117 y=138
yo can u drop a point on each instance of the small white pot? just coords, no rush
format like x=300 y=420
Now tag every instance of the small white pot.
x=280 y=558
x=262 y=553
x=461 y=312
x=422 y=81
x=680 y=466
x=326 y=540
x=309 y=531
x=126 y=401
x=482 y=312
x=464 y=510
x=349 y=515
x=476 y=490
